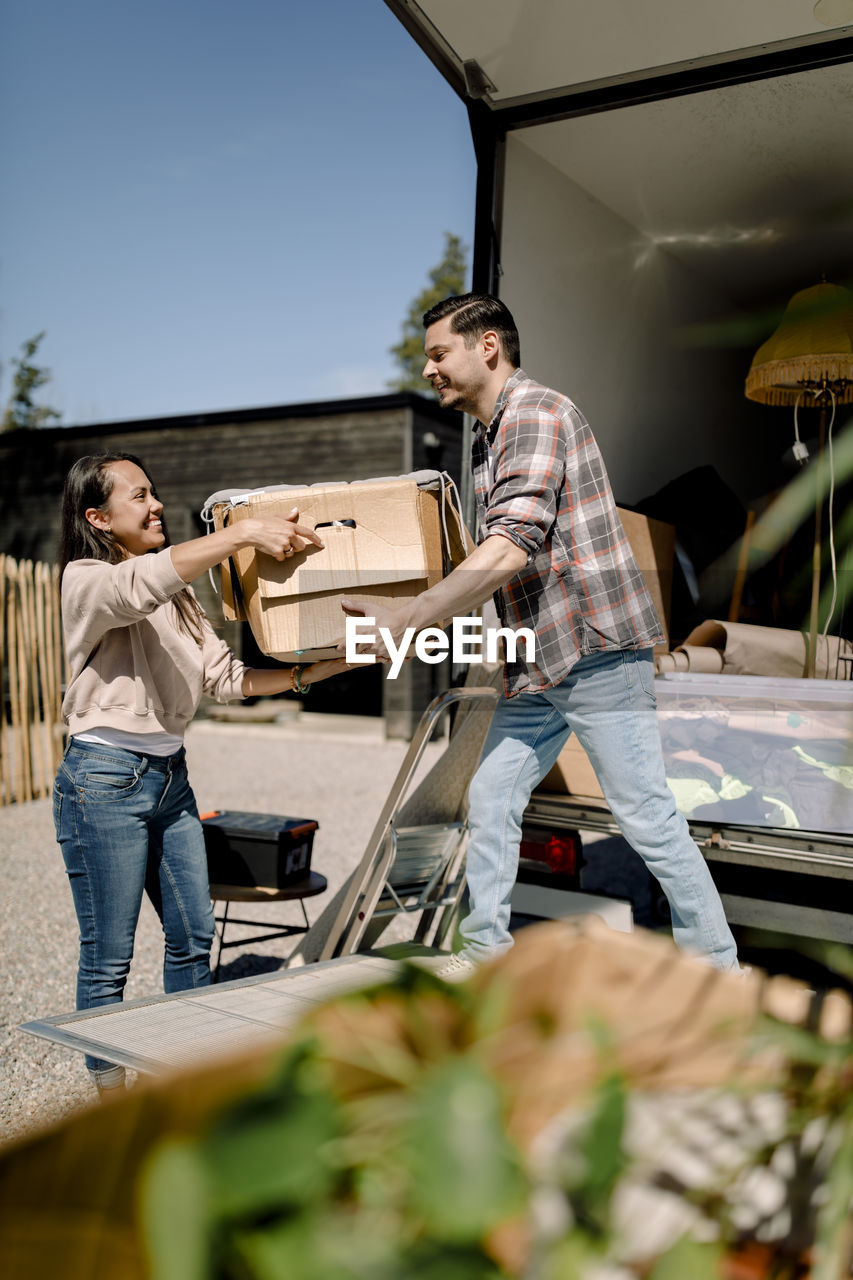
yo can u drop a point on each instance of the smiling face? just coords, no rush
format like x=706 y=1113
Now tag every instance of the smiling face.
x=454 y=369
x=466 y=377
x=133 y=510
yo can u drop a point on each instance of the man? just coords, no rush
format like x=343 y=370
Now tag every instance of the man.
x=556 y=557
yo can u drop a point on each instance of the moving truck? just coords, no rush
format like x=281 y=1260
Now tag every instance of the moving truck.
x=655 y=179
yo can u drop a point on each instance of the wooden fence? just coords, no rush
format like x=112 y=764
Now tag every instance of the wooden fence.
x=32 y=667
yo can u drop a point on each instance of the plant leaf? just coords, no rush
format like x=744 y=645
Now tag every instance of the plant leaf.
x=275 y=1159
x=465 y=1173
x=175 y=1212
x=832 y=1243
x=603 y=1158
x=688 y=1260
x=574 y=1256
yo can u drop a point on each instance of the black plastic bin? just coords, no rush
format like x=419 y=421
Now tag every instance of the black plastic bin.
x=257 y=849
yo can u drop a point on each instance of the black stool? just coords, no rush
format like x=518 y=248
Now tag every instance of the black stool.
x=312 y=885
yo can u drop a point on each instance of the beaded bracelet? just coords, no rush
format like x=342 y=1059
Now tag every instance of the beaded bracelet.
x=296 y=679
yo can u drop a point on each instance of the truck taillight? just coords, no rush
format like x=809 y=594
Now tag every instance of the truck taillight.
x=561 y=853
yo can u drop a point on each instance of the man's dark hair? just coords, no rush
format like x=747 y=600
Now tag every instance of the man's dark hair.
x=472 y=314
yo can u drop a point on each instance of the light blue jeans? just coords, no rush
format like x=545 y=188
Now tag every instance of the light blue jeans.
x=608 y=700
x=127 y=824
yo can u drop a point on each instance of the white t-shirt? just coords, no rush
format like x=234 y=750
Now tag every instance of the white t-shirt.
x=146 y=744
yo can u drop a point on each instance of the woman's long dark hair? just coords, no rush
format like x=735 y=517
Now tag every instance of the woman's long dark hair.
x=89 y=483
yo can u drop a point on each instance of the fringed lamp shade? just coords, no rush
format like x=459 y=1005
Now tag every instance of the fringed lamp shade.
x=813 y=347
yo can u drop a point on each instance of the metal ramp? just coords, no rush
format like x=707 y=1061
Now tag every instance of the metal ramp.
x=415 y=867
x=162 y=1034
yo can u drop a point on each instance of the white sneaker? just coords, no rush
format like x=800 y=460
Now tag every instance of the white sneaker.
x=457 y=969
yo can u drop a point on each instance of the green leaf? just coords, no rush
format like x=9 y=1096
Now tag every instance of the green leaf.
x=834 y=956
x=274 y=1159
x=175 y=1213
x=571 y=1257
x=465 y=1173
x=330 y=1244
x=603 y=1158
x=832 y=1241
x=431 y=1262
x=339 y=1248
x=688 y=1260
x=806 y=1046
x=292 y=1248
x=602 y=1142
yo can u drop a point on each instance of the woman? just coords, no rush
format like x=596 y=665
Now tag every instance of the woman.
x=141 y=653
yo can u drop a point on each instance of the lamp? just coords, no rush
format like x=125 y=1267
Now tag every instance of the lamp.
x=810 y=352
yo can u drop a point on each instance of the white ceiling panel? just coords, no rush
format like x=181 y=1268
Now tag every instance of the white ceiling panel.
x=537 y=46
x=752 y=183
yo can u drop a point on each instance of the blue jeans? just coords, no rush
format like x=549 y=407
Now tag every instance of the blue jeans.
x=128 y=823
x=608 y=700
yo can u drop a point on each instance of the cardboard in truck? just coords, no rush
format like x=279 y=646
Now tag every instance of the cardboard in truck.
x=653 y=546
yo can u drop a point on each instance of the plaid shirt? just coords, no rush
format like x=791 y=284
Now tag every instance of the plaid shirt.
x=539 y=480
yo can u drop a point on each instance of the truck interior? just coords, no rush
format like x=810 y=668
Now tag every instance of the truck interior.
x=655 y=182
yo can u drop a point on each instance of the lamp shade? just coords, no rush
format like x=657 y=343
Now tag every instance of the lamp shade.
x=812 y=347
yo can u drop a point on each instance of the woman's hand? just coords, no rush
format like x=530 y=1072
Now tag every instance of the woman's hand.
x=265 y=681
x=326 y=667
x=275 y=535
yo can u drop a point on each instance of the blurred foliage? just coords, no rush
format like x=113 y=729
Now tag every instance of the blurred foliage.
x=378 y=1149
x=363 y=1161
x=818 y=1086
x=445 y=279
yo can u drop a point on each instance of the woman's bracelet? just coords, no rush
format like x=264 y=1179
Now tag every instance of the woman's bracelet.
x=296 y=684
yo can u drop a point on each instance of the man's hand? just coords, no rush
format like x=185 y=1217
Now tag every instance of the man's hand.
x=395 y=620
x=490 y=566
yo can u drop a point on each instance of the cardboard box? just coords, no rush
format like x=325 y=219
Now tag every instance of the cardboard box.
x=257 y=849
x=653 y=545
x=572 y=774
x=383 y=539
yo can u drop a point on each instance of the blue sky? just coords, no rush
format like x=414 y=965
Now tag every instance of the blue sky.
x=211 y=204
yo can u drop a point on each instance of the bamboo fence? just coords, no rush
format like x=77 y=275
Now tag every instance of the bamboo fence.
x=32 y=668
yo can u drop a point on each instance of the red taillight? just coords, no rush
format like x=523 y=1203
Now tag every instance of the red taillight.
x=560 y=853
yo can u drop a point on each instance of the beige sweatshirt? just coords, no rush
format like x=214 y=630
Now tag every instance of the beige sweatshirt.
x=132 y=667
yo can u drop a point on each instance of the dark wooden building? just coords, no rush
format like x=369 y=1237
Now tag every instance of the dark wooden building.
x=193 y=455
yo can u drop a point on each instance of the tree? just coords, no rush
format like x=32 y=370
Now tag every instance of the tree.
x=22 y=411
x=446 y=278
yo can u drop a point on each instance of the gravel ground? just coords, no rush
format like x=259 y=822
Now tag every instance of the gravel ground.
x=335 y=769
